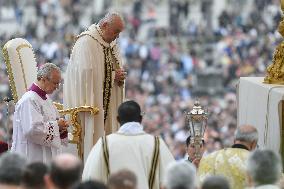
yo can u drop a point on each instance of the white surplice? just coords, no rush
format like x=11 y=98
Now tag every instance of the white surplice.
x=84 y=83
x=129 y=148
x=35 y=129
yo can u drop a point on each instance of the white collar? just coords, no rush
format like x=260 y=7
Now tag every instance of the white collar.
x=131 y=128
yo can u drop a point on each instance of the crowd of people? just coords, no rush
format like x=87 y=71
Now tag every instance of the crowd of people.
x=238 y=167
x=162 y=70
x=165 y=75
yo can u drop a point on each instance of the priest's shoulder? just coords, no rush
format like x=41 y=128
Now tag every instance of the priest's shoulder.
x=28 y=96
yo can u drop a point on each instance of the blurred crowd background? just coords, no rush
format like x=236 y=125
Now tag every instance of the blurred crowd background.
x=175 y=51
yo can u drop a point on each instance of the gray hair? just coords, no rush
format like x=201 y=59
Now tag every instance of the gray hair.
x=264 y=166
x=109 y=17
x=215 y=181
x=180 y=175
x=11 y=168
x=246 y=133
x=45 y=70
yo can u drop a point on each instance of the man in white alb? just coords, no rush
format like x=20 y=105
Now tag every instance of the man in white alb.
x=129 y=148
x=94 y=77
x=38 y=131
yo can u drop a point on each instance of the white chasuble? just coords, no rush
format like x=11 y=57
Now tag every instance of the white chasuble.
x=130 y=148
x=35 y=129
x=89 y=80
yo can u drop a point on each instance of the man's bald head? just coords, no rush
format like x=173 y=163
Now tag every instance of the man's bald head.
x=112 y=25
x=248 y=135
x=65 y=170
x=111 y=18
x=67 y=161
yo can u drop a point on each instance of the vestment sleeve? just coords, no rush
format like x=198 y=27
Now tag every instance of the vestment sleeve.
x=35 y=128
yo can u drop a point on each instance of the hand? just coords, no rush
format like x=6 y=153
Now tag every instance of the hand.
x=120 y=76
x=63 y=124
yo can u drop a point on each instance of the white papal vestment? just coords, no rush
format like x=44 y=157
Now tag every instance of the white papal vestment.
x=89 y=80
x=129 y=148
x=35 y=129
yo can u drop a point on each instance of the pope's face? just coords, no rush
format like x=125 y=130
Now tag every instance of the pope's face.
x=112 y=30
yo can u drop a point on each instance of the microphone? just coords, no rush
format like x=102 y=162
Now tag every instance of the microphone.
x=7 y=99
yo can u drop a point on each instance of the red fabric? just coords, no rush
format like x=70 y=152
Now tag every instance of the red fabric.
x=63 y=134
x=3 y=146
x=39 y=91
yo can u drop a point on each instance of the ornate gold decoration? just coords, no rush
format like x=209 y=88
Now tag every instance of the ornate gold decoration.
x=58 y=106
x=107 y=81
x=115 y=61
x=275 y=71
x=10 y=72
x=77 y=130
x=21 y=62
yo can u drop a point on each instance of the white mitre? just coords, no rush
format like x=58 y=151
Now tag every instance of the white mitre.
x=21 y=66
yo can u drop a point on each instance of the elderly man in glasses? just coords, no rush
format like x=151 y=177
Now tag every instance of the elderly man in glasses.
x=38 y=131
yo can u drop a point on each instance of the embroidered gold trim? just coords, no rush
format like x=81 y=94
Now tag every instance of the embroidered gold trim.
x=116 y=62
x=106 y=154
x=21 y=61
x=155 y=161
x=10 y=72
x=107 y=81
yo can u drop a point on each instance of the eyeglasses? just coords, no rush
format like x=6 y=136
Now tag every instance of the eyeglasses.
x=57 y=84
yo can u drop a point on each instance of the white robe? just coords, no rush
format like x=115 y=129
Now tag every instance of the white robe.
x=35 y=129
x=129 y=148
x=84 y=83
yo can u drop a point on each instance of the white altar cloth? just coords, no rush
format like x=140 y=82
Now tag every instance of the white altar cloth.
x=260 y=105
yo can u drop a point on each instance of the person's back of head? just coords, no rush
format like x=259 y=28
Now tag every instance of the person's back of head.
x=123 y=179
x=180 y=175
x=90 y=185
x=33 y=176
x=247 y=135
x=215 y=182
x=65 y=171
x=264 y=167
x=11 y=168
x=129 y=111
